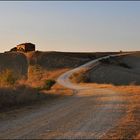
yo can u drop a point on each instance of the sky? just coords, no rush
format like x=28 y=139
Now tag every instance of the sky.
x=76 y=26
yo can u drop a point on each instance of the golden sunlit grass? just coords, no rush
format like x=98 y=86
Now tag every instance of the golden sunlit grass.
x=17 y=92
x=37 y=75
x=7 y=78
x=58 y=89
x=79 y=77
x=128 y=88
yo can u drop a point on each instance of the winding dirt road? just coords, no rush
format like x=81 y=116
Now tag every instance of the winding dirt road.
x=89 y=113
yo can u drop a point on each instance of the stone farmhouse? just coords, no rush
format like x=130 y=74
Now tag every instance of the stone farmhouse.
x=24 y=47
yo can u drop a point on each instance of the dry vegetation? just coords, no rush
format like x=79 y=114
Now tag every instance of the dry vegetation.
x=36 y=74
x=129 y=126
x=7 y=78
x=17 y=92
x=79 y=77
x=40 y=85
x=43 y=69
x=21 y=95
x=60 y=60
x=22 y=85
x=128 y=89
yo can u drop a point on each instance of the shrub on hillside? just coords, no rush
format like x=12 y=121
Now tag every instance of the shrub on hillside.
x=48 y=84
x=7 y=78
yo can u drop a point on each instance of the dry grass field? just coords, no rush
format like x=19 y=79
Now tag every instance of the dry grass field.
x=109 y=101
x=24 y=75
x=16 y=92
x=37 y=67
x=118 y=71
x=128 y=127
x=126 y=82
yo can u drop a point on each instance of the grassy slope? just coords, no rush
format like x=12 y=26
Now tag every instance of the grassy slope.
x=116 y=74
x=56 y=60
x=40 y=66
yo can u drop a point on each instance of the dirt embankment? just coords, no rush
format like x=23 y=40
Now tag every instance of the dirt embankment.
x=121 y=71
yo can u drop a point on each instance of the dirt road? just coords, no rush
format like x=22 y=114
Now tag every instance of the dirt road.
x=89 y=113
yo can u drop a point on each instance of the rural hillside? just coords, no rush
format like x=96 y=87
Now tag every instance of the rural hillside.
x=25 y=71
x=20 y=61
x=36 y=66
x=70 y=70
x=117 y=71
x=38 y=96
x=58 y=60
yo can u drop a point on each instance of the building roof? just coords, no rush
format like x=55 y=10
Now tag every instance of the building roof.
x=25 y=44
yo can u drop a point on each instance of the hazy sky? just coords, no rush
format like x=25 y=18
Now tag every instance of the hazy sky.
x=71 y=25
